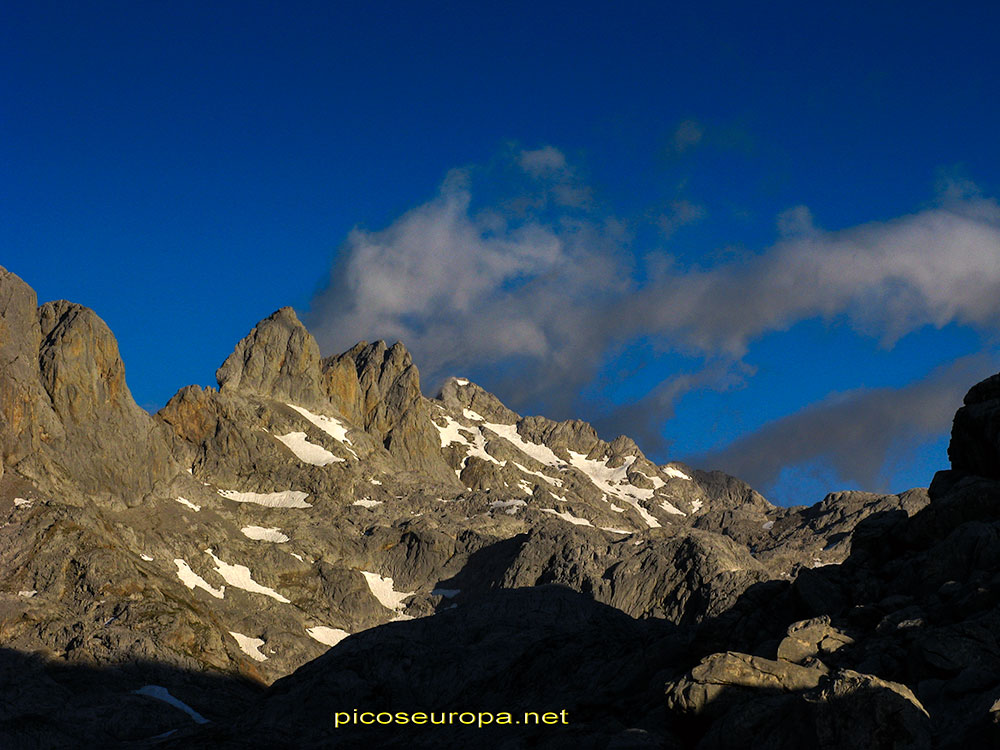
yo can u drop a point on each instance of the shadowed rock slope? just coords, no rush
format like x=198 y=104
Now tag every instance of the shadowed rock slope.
x=311 y=502
x=895 y=647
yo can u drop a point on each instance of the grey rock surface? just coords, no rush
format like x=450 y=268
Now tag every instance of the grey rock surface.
x=277 y=359
x=319 y=526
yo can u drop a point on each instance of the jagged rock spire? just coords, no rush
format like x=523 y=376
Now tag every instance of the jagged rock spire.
x=278 y=359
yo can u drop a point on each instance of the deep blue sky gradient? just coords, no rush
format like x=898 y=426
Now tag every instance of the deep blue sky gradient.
x=186 y=168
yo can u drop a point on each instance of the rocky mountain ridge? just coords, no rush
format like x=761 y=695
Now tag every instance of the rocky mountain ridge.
x=234 y=537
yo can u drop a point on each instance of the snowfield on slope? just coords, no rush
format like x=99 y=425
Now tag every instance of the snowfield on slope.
x=327 y=636
x=192 y=580
x=238 y=576
x=309 y=453
x=330 y=425
x=283 y=499
x=382 y=589
x=249 y=646
x=261 y=534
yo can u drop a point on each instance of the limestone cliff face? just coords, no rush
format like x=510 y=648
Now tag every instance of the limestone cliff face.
x=309 y=503
x=26 y=415
x=278 y=359
x=378 y=387
x=374 y=387
x=67 y=418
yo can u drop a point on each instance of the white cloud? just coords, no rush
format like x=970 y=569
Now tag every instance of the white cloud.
x=932 y=268
x=855 y=432
x=541 y=291
x=464 y=288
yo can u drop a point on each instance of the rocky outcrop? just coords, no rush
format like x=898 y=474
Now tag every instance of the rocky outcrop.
x=682 y=577
x=783 y=706
x=456 y=556
x=111 y=444
x=902 y=630
x=975 y=436
x=27 y=419
x=378 y=388
x=278 y=359
x=739 y=512
x=722 y=681
x=811 y=640
x=823 y=534
x=67 y=419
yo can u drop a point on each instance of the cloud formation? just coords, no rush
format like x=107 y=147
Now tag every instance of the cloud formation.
x=523 y=277
x=889 y=278
x=855 y=432
x=516 y=280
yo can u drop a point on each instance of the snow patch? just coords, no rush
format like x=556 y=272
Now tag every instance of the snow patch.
x=374 y=481
x=283 y=499
x=696 y=505
x=330 y=425
x=310 y=453
x=162 y=694
x=27 y=594
x=249 y=646
x=646 y=515
x=327 y=636
x=541 y=453
x=239 y=576
x=383 y=590
x=147 y=558
x=367 y=502
x=671 y=508
x=614 y=531
x=469 y=414
x=461 y=381
x=450 y=434
x=192 y=580
x=20 y=502
x=670 y=471
x=261 y=534
x=188 y=503
x=767 y=526
x=510 y=506
x=609 y=480
x=555 y=482
x=568 y=517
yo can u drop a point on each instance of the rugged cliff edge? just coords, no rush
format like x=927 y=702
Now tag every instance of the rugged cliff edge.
x=316 y=535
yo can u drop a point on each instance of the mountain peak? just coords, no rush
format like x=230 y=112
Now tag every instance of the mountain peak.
x=241 y=536
x=279 y=359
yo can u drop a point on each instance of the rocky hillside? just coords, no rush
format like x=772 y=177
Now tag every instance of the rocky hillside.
x=315 y=535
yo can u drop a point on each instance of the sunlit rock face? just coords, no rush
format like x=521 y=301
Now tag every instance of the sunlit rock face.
x=321 y=520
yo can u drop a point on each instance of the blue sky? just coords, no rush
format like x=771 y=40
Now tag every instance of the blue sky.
x=758 y=237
